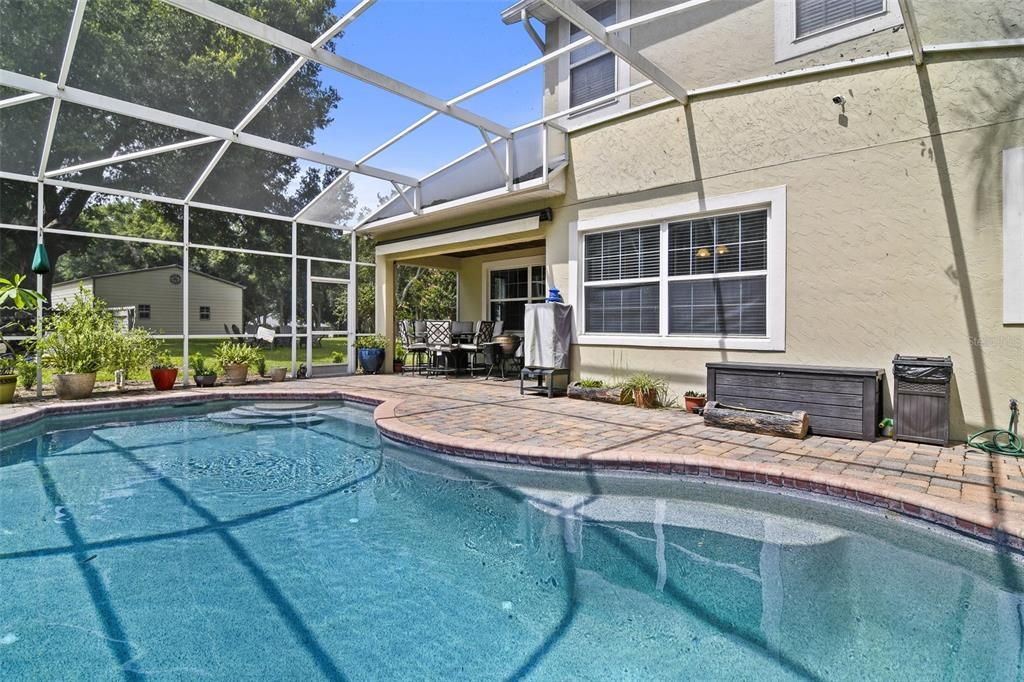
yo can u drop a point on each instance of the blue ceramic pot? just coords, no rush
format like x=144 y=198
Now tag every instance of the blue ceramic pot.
x=372 y=359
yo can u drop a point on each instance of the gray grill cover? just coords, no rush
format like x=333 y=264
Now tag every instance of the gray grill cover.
x=548 y=335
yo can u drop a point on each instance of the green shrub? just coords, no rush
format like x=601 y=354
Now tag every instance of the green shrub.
x=162 y=360
x=8 y=366
x=132 y=351
x=337 y=358
x=261 y=365
x=590 y=383
x=373 y=341
x=229 y=353
x=27 y=374
x=695 y=394
x=79 y=337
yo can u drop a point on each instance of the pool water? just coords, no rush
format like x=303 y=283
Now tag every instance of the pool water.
x=187 y=545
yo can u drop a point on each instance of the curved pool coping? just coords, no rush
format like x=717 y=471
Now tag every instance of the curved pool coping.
x=974 y=522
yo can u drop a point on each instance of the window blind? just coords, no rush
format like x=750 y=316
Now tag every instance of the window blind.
x=632 y=309
x=815 y=15
x=719 y=244
x=623 y=254
x=591 y=80
x=734 y=306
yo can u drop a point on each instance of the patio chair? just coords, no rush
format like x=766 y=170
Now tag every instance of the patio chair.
x=415 y=346
x=439 y=344
x=484 y=333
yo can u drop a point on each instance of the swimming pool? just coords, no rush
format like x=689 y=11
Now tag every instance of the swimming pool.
x=221 y=543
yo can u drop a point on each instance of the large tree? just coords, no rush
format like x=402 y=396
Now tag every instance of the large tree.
x=148 y=52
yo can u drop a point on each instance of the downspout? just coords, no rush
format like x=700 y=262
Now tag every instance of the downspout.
x=524 y=17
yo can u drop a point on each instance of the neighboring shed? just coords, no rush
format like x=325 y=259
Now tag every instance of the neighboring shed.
x=155 y=293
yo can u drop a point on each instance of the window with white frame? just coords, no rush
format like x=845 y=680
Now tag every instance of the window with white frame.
x=803 y=26
x=204 y=312
x=143 y=311
x=705 y=274
x=509 y=290
x=593 y=71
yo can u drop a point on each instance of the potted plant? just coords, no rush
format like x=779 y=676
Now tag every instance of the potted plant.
x=643 y=390
x=261 y=365
x=8 y=379
x=77 y=341
x=371 y=352
x=278 y=373
x=203 y=375
x=695 y=400
x=887 y=426
x=163 y=372
x=398 y=363
x=236 y=359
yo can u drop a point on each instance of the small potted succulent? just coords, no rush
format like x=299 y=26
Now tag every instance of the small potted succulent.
x=236 y=359
x=202 y=373
x=8 y=378
x=163 y=372
x=695 y=400
x=371 y=352
x=643 y=390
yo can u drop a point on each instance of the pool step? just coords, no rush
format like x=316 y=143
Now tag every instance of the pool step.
x=270 y=414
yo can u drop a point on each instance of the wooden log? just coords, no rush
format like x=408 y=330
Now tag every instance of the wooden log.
x=604 y=394
x=784 y=424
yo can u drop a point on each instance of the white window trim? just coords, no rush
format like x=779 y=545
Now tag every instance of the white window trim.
x=511 y=263
x=772 y=198
x=787 y=45
x=1013 y=236
x=622 y=73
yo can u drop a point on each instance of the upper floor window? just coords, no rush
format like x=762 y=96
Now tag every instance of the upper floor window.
x=803 y=26
x=592 y=71
x=592 y=67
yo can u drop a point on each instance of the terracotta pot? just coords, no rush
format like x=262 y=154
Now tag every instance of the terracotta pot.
x=163 y=377
x=74 y=386
x=278 y=373
x=693 y=403
x=235 y=375
x=396 y=366
x=8 y=383
x=645 y=399
x=205 y=381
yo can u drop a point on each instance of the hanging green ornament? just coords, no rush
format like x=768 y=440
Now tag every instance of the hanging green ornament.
x=41 y=262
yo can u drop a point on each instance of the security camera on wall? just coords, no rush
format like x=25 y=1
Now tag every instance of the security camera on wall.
x=839 y=99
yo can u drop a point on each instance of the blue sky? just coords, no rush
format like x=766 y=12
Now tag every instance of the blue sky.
x=444 y=47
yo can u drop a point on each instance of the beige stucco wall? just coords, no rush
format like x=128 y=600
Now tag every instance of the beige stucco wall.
x=730 y=40
x=894 y=216
x=894 y=212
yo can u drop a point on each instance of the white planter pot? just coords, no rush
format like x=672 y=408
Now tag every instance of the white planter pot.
x=74 y=386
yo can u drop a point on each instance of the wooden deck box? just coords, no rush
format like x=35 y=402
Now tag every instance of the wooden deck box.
x=840 y=401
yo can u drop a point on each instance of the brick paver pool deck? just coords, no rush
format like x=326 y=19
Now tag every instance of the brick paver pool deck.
x=956 y=487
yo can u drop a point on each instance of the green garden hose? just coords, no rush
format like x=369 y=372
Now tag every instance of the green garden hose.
x=999 y=441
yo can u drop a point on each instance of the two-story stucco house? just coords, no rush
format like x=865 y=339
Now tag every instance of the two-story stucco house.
x=825 y=182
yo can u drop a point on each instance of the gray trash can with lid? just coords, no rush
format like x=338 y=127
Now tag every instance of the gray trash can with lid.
x=921 y=398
